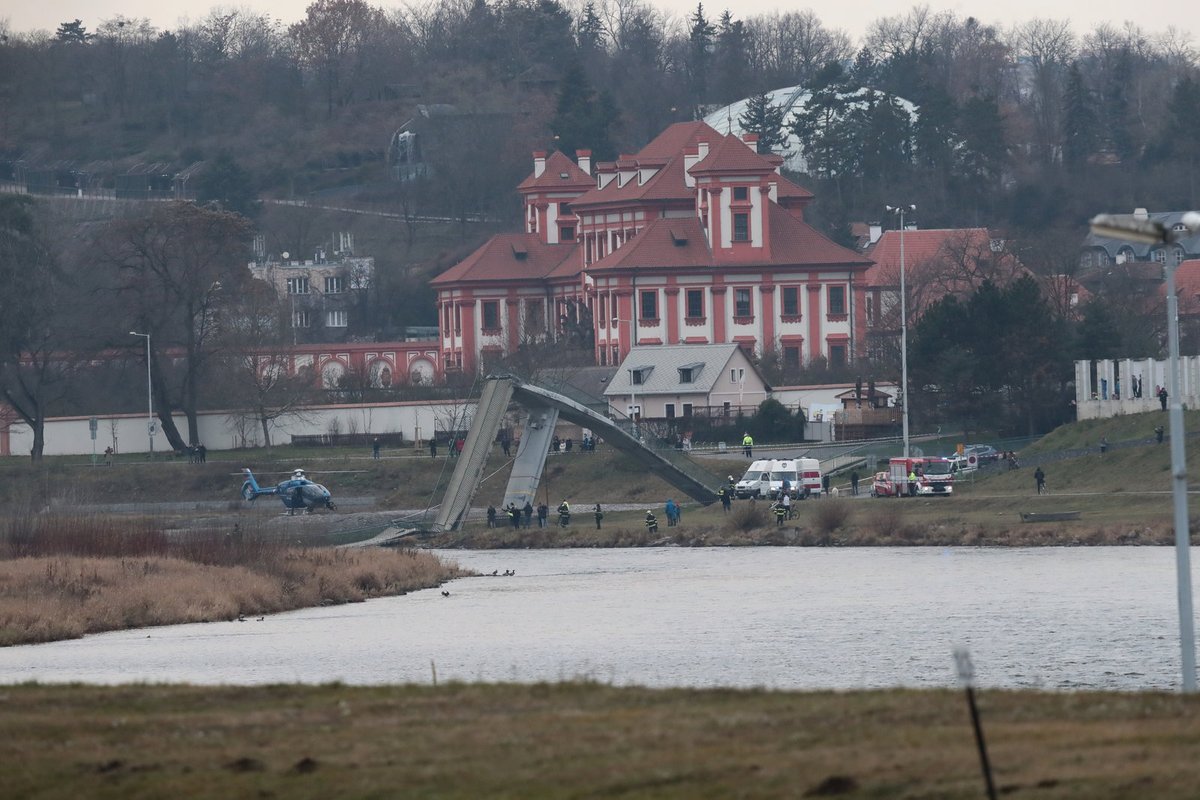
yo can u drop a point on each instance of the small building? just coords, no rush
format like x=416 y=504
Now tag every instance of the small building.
x=675 y=382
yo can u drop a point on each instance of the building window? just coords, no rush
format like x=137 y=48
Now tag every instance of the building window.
x=638 y=376
x=695 y=303
x=535 y=318
x=737 y=374
x=870 y=310
x=743 y=303
x=566 y=233
x=741 y=193
x=564 y=209
x=650 y=305
x=837 y=300
x=791 y=301
x=457 y=318
x=491 y=315
x=837 y=355
x=670 y=410
x=335 y=319
x=687 y=409
x=300 y=318
x=602 y=311
x=333 y=285
x=791 y=356
x=1160 y=256
x=297 y=285
x=741 y=227
x=603 y=353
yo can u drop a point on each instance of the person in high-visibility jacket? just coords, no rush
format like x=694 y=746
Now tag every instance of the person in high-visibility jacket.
x=651 y=522
x=781 y=511
x=747 y=445
x=564 y=514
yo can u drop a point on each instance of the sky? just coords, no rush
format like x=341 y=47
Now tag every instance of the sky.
x=852 y=16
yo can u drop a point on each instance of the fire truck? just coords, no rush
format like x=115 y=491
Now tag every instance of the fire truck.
x=934 y=476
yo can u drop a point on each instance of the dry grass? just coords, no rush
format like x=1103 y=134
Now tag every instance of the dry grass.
x=64 y=577
x=588 y=740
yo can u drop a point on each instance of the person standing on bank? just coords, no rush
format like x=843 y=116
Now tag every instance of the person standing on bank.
x=854 y=483
x=1162 y=397
x=528 y=513
x=748 y=445
x=543 y=511
x=491 y=516
x=375 y=445
x=599 y=515
x=1039 y=478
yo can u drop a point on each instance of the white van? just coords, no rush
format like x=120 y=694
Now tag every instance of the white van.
x=756 y=482
x=800 y=473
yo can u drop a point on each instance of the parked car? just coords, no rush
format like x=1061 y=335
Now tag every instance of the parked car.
x=984 y=453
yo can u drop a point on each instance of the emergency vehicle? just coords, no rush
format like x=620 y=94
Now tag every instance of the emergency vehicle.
x=934 y=476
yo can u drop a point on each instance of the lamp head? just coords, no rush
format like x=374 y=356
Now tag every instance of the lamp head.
x=1129 y=229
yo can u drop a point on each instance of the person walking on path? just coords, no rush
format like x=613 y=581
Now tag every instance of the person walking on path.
x=1040 y=478
x=543 y=511
x=854 y=483
x=375 y=445
x=1103 y=445
x=491 y=515
x=748 y=445
x=109 y=453
x=825 y=482
x=599 y=515
x=651 y=522
x=1162 y=397
x=528 y=512
x=432 y=447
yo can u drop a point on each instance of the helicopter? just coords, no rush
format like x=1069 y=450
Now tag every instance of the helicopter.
x=298 y=493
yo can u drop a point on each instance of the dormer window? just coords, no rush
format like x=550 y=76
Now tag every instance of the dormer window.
x=688 y=373
x=639 y=375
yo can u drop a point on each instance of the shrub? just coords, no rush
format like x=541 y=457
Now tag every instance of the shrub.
x=748 y=517
x=831 y=515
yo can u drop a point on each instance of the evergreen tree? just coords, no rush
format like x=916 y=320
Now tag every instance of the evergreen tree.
x=1079 y=121
x=1116 y=107
x=729 y=60
x=72 y=33
x=589 y=32
x=583 y=119
x=766 y=120
x=820 y=126
x=225 y=183
x=700 y=46
x=1183 y=130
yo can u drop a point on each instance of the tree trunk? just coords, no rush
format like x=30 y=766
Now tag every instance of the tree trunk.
x=266 y=429
x=39 y=439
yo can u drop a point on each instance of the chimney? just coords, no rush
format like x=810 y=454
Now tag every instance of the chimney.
x=751 y=140
x=874 y=231
x=539 y=163
x=702 y=147
x=689 y=160
x=584 y=157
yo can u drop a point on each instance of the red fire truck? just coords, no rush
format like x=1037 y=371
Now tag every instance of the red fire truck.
x=933 y=476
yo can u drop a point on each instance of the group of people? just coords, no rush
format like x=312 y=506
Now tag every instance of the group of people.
x=586 y=445
x=197 y=453
x=523 y=517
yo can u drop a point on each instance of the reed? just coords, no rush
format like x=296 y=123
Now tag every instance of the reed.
x=63 y=577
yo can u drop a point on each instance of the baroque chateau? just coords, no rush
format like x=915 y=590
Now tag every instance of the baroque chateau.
x=695 y=239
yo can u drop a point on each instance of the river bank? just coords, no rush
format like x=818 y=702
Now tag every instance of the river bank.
x=64 y=577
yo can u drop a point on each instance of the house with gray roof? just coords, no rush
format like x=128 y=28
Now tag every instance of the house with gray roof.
x=1098 y=252
x=670 y=382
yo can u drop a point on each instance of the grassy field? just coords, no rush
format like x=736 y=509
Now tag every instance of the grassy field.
x=587 y=741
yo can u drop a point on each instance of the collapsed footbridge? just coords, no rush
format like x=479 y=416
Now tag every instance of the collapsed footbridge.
x=544 y=407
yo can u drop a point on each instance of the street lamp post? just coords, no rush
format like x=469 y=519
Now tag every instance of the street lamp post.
x=1152 y=233
x=149 y=394
x=899 y=211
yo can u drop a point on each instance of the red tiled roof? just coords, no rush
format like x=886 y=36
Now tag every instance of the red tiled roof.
x=731 y=154
x=921 y=247
x=1187 y=286
x=681 y=244
x=557 y=165
x=500 y=259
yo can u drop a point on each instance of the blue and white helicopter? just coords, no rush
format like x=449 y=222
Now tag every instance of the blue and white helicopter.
x=298 y=493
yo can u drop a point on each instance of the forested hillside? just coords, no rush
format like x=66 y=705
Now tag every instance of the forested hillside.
x=1034 y=127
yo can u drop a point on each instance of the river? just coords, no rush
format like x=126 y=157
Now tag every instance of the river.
x=789 y=618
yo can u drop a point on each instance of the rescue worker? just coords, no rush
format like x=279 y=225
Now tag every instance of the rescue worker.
x=747 y=445
x=726 y=502
x=514 y=514
x=780 y=511
x=912 y=483
x=651 y=522
x=564 y=514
